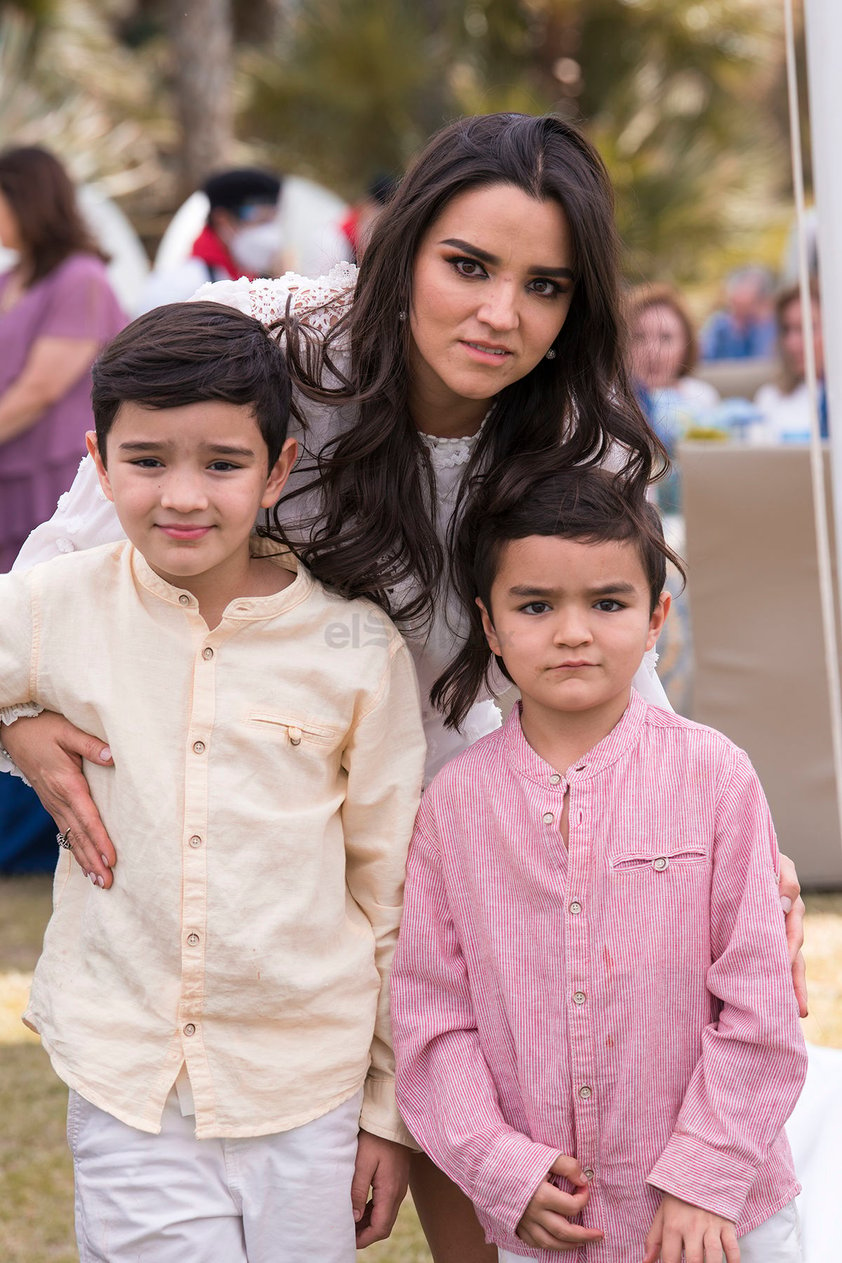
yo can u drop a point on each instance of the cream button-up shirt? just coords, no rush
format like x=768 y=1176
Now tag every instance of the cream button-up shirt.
x=266 y=778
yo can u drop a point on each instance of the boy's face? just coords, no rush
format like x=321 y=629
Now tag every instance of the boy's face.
x=571 y=620
x=187 y=484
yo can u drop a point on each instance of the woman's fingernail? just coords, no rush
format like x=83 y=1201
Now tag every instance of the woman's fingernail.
x=786 y=904
x=100 y=881
x=358 y=1214
x=105 y=754
x=104 y=859
x=93 y=878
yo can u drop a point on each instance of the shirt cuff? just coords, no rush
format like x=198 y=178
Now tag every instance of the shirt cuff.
x=379 y=1114
x=8 y=715
x=509 y=1178
x=704 y=1176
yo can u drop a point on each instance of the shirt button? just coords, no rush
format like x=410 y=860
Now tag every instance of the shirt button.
x=555 y=778
x=184 y=599
x=195 y=840
x=198 y=747
x=660 y=863
x=190 y=1029
x=575 y=908
x=588 y=1173
x=579 y=997
x=192 y=939
x=295 y=736
x=207 y=654
x=585 y=1092
x=548 y=817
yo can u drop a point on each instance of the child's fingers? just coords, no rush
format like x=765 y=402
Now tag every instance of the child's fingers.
x=554 y=1232
x=652 y=1244
x=569 y=1168
x=729 y=1246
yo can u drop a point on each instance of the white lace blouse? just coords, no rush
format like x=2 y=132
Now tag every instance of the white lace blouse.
x=84 y=517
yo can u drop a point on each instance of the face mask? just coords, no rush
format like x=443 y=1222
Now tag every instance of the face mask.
x=256 y=247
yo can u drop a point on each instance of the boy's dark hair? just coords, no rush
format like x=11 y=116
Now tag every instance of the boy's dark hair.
x=187 y=353
x=538 y=494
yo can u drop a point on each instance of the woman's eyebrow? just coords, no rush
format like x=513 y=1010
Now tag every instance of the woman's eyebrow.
x=485 y=257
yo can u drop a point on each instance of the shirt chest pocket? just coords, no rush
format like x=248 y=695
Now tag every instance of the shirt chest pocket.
x=299 y=734
x=676 y=859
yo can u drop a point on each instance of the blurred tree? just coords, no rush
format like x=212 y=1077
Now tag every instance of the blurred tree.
x=202 y=47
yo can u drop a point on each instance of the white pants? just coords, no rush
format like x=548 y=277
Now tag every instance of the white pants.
x=778 y=1240
x=284 y=1198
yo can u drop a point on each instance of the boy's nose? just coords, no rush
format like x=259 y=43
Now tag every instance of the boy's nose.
x=183 y=492
x=572 y=629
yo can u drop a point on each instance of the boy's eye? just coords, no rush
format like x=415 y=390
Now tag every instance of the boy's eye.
x=608 y=605
x=147 y=462
x=222 y=466
x=535 y=607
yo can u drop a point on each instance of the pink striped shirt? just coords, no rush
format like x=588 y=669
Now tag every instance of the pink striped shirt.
x=626 y=999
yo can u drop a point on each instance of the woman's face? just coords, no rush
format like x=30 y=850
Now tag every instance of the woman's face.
x=658 y=346
x=492 y=285
x=792 y=339
x=9 y=226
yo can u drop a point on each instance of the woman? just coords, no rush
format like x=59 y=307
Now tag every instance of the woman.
x=56 y=310
x=663 y=353
x=785 y=405
x=484 y=322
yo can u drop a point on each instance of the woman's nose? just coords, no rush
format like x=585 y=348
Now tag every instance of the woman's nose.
x=499 y=307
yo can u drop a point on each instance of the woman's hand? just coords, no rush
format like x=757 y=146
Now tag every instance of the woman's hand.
x=49 y=751
x=789 y=888
x=545 y=1223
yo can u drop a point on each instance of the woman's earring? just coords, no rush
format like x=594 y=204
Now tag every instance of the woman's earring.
x=550 y=354
x=401 y=315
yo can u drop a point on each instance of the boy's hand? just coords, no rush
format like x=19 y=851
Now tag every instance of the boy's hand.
x=545 y=1223
x=383 y=1167
x=703 y=1236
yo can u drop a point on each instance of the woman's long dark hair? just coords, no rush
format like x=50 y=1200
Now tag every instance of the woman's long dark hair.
x=538 y=494
x=375 y=528
x=43 y=200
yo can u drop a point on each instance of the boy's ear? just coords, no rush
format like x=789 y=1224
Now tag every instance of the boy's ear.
x=659 y=615
x=102 y=473
x=488 y=628
x=279 y=473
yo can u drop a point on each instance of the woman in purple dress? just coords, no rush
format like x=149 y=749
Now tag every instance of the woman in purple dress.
x=56 y=310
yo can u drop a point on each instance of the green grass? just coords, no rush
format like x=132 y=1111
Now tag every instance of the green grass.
x=36 y=1179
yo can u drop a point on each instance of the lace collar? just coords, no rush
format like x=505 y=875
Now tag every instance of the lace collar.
x=447 y=453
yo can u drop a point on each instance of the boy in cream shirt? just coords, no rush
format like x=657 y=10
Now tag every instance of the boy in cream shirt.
x=220 y=1015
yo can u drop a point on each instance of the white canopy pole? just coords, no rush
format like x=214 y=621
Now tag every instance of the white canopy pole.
x=823 y=20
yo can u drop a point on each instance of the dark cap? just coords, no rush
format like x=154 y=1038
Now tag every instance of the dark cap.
x=229 y=190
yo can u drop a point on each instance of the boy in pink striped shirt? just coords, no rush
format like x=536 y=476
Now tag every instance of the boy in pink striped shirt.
x=596 y=1032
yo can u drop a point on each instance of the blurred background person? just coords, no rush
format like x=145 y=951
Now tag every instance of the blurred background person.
x=362 y=216
x=745 y=328
x=784 y=406
x=241 y=237
x=57 y=309
x=663 y=353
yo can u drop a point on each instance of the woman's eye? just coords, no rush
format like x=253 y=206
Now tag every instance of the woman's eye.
x=545 y=288
x=468 y=267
